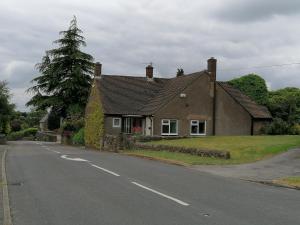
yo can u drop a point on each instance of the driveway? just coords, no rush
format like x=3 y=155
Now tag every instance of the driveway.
x=53 y=184
x=283 y=165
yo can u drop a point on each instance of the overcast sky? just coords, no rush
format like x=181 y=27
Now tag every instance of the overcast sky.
x=124 y=35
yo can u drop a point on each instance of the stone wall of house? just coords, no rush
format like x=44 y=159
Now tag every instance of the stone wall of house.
x=231 y=117
x=197 y=105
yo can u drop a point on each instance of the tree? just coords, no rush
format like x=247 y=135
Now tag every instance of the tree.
x=253 y=86
x=180 y=72
x=65 y=74
x=6 y=108
x=285 y=104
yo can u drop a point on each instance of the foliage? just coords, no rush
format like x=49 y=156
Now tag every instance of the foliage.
x=180 y=72
x=78 y=137
x=94 y=120
x=73 y=125
x=53 y=120
x=13 y=136
x=285 y=104
x=6 y=108
x=65 y=74
x=277 y=127
x=16 y=125
x=253 y=86
x=27 y=119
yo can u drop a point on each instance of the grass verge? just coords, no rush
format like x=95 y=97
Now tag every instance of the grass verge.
x=243 y=149
x=289 y=181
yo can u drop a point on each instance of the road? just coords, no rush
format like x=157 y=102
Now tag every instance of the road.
x=51 y=184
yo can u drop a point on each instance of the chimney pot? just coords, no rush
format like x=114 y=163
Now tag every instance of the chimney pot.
x=212 y=68
x=149 y=71
x=98 y=69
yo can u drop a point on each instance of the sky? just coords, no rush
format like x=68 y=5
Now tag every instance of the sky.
x=246 y=36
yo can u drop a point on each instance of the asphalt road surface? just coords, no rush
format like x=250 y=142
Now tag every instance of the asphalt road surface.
x=51 y=184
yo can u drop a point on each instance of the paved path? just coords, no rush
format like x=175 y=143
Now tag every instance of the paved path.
x=54 y=185
x=283 y=165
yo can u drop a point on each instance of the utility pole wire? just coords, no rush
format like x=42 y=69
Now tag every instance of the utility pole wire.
x=260 y=67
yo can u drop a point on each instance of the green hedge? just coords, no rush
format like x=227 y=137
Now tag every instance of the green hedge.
x=19 y=135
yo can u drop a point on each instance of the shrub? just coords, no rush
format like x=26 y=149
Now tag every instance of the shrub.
x=78 y=138
x=277 y=127
x=280 y=127
x=73 y=125
x=295 y=130
x=18 y=135
x=15 y=125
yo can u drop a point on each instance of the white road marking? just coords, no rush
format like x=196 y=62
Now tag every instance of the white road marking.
x=74 y=159
x=161 y=194
x=105 y=170
x=56 y=151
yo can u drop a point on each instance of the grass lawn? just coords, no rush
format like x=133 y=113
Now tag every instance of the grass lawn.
x=243 y=149
x=289 y=181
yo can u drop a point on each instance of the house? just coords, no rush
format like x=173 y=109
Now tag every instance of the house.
x=188 y=105
x=44 y=122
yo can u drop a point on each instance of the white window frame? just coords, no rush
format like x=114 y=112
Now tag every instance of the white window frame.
x=169 y=124
x=113 y=122
x=198 y=134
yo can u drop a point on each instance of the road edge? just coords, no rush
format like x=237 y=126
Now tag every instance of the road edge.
x=6 y=208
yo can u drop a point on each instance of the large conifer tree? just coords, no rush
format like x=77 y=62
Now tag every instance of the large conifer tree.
x=65 y=74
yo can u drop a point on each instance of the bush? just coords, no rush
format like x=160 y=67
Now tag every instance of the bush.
x=30 y=132
x=15 y=125
x=295 y=130
x=78 y=138
x=73 y=125
x=280 y=127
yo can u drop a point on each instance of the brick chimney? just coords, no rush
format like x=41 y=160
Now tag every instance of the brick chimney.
x=149 y=72
x=212 y=68
x=98 y=69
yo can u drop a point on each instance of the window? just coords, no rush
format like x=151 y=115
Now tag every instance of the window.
x=116 y=122
x=169 y=127
x=198 y=127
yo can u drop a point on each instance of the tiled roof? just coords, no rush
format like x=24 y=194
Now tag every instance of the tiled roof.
x=255 y=110
x=129 y=95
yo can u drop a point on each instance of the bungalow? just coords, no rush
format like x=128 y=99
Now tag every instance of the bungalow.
x=187 y=105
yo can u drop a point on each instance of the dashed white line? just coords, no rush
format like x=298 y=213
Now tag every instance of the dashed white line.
x=161 y=194
x=105 y=170
x=56 y=151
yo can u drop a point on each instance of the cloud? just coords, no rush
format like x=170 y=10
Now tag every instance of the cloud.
x=257 y=10
x=126 y=35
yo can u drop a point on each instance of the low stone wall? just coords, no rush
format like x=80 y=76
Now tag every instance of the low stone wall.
x=46 y=136
x=111 y=143
x=192 y=151
x=115 y=143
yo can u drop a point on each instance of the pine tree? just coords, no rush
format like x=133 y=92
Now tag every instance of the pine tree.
x=65 y=74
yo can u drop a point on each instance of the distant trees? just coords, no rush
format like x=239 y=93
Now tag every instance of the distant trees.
x=65 y=75
x=6 y=108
